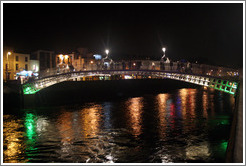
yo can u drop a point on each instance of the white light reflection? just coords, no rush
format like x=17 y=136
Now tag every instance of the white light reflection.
x=107 y=115
x=41 y=125
x=200 y=151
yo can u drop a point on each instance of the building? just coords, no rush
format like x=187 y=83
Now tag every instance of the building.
x=14 y=63
x=64 y=63
x=34 y=66
x=47 y=59
x=79 y=60
x=84 y=60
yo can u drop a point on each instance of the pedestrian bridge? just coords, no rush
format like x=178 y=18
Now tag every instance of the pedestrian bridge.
x=225 y=84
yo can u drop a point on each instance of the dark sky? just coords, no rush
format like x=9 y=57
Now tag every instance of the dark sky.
x=189 y=31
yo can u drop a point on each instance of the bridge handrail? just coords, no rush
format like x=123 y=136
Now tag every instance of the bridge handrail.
x=134 y=70
x=196 y=69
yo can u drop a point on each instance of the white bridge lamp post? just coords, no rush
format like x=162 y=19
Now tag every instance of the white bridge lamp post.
x=164 y=50
x=107 y=51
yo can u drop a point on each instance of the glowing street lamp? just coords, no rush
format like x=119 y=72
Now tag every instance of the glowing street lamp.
x=107 y=51
x=61 y=56
x=164 y=50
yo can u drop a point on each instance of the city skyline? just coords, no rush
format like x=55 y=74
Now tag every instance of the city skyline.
x=209 y=31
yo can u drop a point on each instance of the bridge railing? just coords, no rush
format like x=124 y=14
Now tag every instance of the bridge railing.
x=194 y=68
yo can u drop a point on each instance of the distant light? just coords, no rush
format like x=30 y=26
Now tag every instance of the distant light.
x=66 y=56
x=128 y=77
x=107 y=51
x=61 y=56
x=9 y=53
x=163 y=49
x=97 y=57
x=134 y=64
x=35 y=74
x=25 y=73
x=91 y=62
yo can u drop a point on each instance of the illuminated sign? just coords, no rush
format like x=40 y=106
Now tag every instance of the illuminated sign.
x=24 y=73
x=97 y=57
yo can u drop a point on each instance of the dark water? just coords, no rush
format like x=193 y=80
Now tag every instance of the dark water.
x=185 y=125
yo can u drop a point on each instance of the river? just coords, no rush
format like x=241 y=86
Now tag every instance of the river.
x=179 y=126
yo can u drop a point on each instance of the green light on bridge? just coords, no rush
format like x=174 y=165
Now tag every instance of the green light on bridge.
x=29 y=90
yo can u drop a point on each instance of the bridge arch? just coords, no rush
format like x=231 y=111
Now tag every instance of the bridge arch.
x=222 y=84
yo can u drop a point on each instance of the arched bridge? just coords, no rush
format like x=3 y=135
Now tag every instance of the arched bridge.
x=224 y=84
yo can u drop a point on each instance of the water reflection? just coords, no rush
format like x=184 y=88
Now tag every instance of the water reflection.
x=14 y=147
x=65 y=127
x=188 y=106
x=181 y=126
x=134 y=113
x=192 y=102
x=205 y=104
x=107 y=115
x=162 y=113
x=90 y=120
x=198 y=151
x=183 y=93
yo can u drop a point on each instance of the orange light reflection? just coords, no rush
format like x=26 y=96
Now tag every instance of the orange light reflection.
x=13 y=141
x=91 y=118
x=135 y=106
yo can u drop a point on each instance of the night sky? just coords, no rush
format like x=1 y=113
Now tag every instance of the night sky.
x=211 y=33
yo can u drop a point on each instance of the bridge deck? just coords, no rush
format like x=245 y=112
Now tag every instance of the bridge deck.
x=224 y=84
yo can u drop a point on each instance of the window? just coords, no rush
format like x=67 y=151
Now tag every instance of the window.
x=26 y=67
x=16 y=66
x=16 y=58
x=26 y=59
x=6 y=66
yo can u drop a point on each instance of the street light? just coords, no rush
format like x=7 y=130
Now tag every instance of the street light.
x=7 y=73
x=164 y=50
x=107 y=51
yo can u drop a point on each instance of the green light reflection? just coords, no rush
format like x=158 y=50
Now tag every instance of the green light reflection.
x=30 y=125
x=223 y=145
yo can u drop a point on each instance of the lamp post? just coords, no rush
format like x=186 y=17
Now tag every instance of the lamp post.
x=107 y=51
x=164 y=50
x=7 y=66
